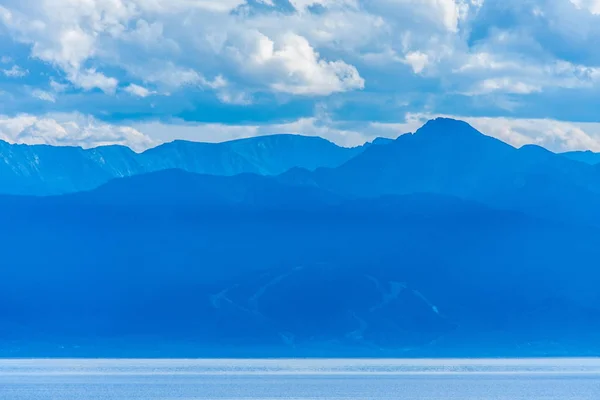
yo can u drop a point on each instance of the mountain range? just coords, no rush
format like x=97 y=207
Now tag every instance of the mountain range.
x=445 y=242
x=48 y=170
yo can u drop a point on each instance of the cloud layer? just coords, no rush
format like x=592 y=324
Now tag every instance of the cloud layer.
x=279 y=64
x=69 y=130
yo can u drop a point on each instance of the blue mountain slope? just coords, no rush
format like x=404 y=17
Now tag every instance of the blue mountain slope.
x=588 y=157
x=450 y=157
x=43 y=170
x=252 y=267
x=178 y=187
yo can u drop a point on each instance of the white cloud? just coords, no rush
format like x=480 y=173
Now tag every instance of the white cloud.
x=43 y=95
x=505 y=85
x=417 y=60
x=558 y=136
x=238 y=52
x=69 y=130
x=91 y=79
x=175 y=39
x=593 y=6
x=177 y=43
x=484 y=73
x=289 y=64
x=57 y=86
x=86 y=131
x=15 y=72
x=555 y=135
x=302 y=5
x=138 y=91
x=216 y=132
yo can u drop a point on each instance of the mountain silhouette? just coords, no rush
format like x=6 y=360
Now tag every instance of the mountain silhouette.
x=444 y=242
x=46 y=170
x=450 y=157
x=588 y=157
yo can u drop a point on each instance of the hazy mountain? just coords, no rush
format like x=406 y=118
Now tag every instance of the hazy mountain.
x=43 y=170
x=588 y=157
x=229 y=265
x=452 y=158
x=442 y=242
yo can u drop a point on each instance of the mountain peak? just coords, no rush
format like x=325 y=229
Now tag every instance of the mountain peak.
x=447 y=126
x=381 y=140
x=452 y=132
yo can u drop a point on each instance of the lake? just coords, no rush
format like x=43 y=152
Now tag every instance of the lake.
x=532 y=379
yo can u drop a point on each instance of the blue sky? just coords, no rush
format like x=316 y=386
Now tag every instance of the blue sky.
x=141 y=72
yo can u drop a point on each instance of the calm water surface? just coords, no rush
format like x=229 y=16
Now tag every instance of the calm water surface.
x=548 y=379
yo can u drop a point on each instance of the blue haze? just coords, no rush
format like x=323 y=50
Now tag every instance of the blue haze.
x=442 y=243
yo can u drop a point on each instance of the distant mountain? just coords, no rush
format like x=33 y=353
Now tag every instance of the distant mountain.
x=588 y=157
x=43 y=170
x=442 y=242
x=378 y=141
x=247 y=266
x=178 y=187
x=450 y=157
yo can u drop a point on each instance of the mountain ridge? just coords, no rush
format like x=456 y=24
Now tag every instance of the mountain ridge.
x=441 y=242
x=451 y=157
x=46 y=170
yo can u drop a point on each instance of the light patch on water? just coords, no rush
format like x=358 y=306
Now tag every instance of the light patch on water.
x=306 y=379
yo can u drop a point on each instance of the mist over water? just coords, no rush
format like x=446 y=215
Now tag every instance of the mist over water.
x=482 y=379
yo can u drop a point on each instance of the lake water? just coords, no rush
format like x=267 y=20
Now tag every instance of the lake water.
x=548 y=379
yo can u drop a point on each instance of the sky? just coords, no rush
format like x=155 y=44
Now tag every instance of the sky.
x=142 y=72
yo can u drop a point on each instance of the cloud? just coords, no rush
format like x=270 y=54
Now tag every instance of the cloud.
x=91 y=79
x=69 y=130
x=558 y=136
x=86 y=131
x=79 y=39
x=289 y=64
x=417 y=60
x=504 y=85
x=57 y=86
x=138 y=91
x=554 y=135
x=372 y=59
x=43 y=95
x=15 y=72
x=348 y=134
x=593 y=6
x=319 y=49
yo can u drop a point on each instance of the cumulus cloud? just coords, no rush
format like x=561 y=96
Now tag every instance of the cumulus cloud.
x=69 y=130
x=91 y=79
x=240 y=52
x=290 y=64
x=318 y=49
x=178 y=37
